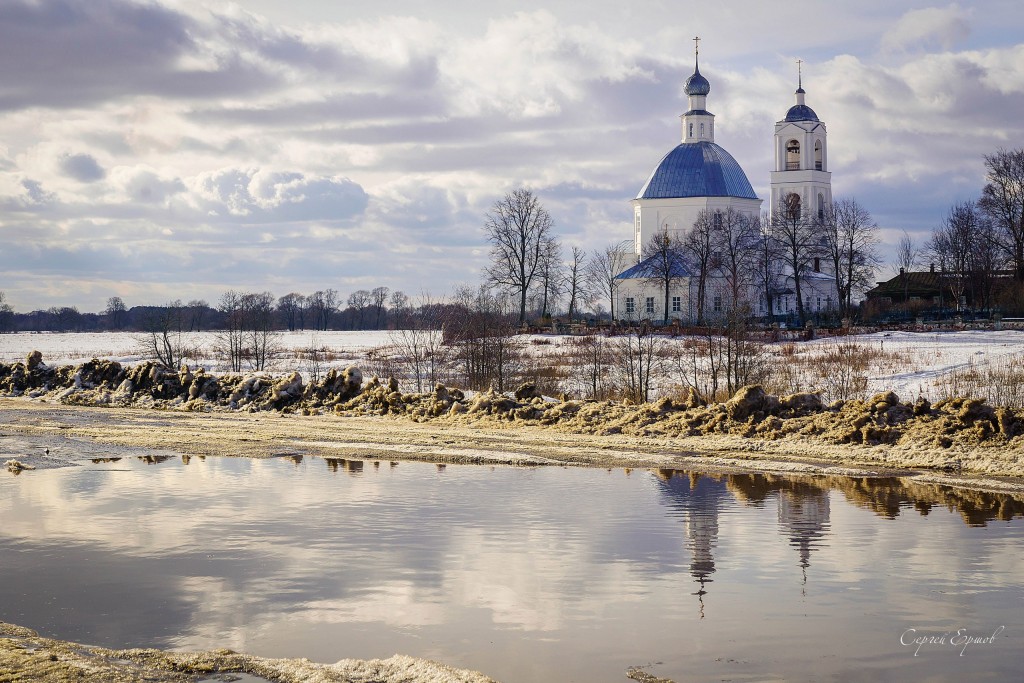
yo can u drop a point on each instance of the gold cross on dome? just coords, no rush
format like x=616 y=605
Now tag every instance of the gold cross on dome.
x=696 y=45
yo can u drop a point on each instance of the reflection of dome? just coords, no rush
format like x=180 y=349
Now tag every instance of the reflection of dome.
x=801 y=112
x=697 y=84
x=697 y=169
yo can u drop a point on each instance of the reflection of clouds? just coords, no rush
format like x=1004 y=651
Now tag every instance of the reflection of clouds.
x=252 y=554
x=399 y=604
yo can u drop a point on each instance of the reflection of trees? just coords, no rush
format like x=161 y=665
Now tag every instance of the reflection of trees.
x=352 y=467
x=886 y=496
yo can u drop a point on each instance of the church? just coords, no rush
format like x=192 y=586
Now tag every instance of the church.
x=699 y=181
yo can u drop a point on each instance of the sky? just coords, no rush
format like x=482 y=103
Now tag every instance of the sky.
x=175 y=149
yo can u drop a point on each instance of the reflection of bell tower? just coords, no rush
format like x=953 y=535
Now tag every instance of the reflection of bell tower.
x=804 y=518
x=801 y=180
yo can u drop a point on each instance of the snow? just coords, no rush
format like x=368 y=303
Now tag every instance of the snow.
x=126 y=347
x=932 y=355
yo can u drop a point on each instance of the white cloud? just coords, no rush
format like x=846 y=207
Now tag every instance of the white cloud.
x=928 y=27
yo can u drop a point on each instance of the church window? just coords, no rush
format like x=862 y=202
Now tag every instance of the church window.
x=818 y=163
x=792 y=155
x=691 y=130
x=821 y=207
x=792 y=206
x=649 y=305
x=630 y=305
x=702 y=130
x=819 y=303
x=718 y=303
x=817 y=264
x=717 y=221
x=677 y=304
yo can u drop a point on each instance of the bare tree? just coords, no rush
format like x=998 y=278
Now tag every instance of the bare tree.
x=638 y=353
x=574 y=281
x=359 y=301
x=663 y=264
x=798 y=243
x=399 y=307
x=197 y=309
x=518 y=228
x=766 y=265
x=549 y=275
x=248 y=336
x=115 y=312
x=1002 y=199
x=603 y=268
x=851 y=236
x=697 y=246
x=907 y=257
x=378 y=297
x=6 y=313
x=261 y=339
x=290 y=306
x=231 y=339
x=953 y=245
x=734 y=240
x=481 y=330
x=165 y=339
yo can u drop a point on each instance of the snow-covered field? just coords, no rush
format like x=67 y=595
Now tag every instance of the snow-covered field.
x=128 y=347
x=909 y=363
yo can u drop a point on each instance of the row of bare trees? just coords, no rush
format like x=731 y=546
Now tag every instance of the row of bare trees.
x=978 y=247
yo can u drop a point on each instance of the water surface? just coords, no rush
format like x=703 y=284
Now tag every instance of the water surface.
x=546 y=574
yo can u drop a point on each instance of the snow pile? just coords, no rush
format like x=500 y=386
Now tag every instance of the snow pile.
x=939 y=435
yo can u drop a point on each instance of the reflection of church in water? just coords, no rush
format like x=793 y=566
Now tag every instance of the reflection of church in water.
x=803 y=514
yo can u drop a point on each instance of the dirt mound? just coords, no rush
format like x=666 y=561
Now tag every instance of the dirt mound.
x=943 y=432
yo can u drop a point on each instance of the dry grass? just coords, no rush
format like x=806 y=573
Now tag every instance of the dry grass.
x=999 y=384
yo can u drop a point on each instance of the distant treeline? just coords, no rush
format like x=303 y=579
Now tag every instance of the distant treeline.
x=376 y=309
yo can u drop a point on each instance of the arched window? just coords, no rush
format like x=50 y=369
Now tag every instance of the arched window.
x=691 y=130
x=702 y=130
x=821 y=207
x=792 y=155
x=818 y=164
x=792 y=202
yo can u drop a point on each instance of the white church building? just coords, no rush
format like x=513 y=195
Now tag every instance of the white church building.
x=699 y=175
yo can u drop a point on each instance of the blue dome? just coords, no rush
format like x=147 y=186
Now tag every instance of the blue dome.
x=697 y=169
x=801 y=112
x=697 y=84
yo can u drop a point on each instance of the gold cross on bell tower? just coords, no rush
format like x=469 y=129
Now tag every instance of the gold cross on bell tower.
x=799 y=74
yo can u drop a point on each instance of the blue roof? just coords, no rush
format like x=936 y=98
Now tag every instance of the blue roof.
x=646 y=269
x=801 y=112
x=697 y=169
x=697 y=84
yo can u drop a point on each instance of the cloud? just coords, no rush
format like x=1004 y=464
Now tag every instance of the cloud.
x=82 y=167
x=254 y=195
x=928 y=27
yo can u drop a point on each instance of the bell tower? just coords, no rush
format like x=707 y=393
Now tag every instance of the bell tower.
x=801 y=180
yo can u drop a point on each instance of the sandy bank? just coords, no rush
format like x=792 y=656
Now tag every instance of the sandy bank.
x=24 y=655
